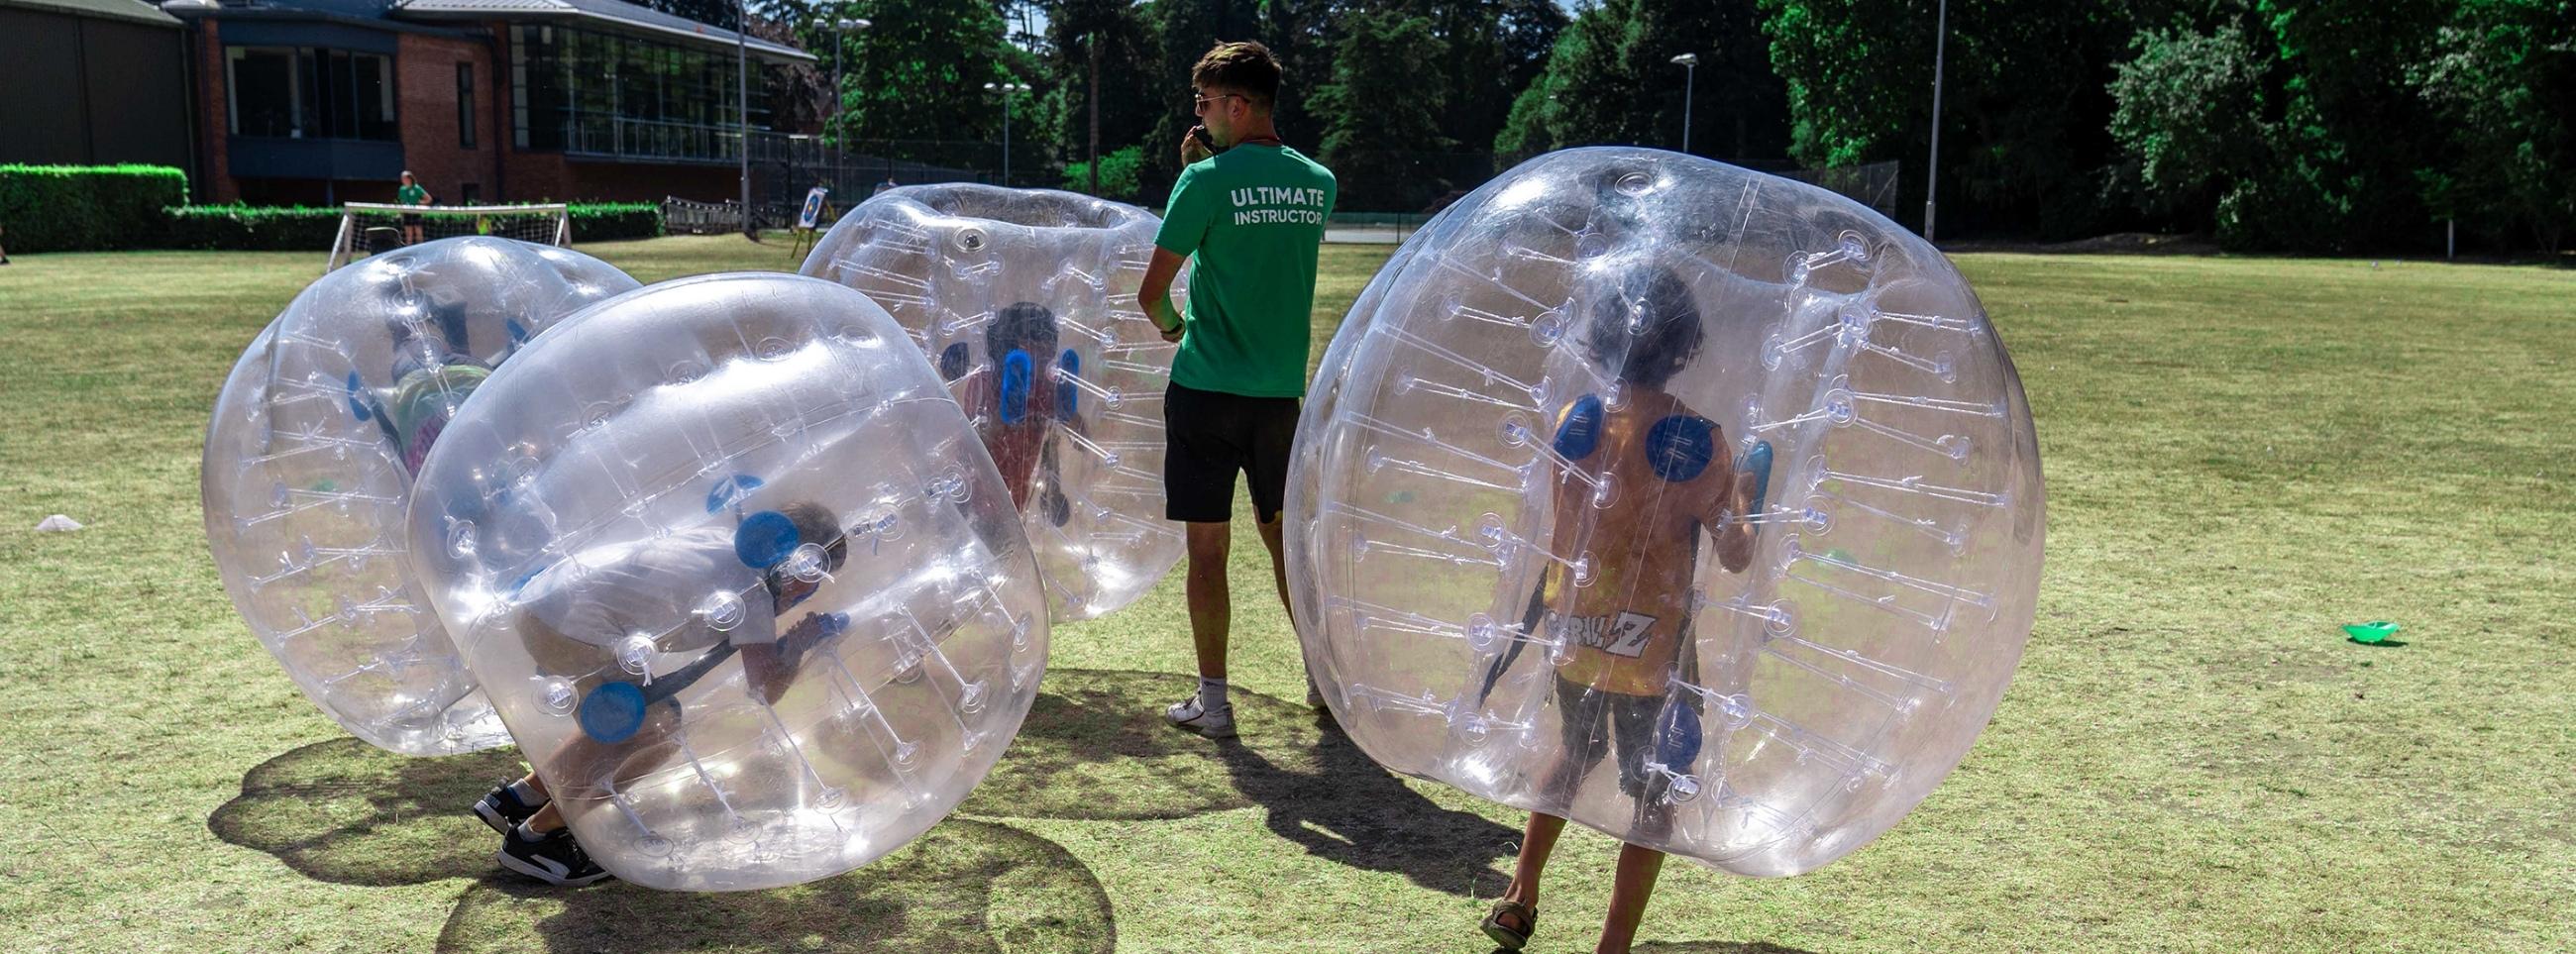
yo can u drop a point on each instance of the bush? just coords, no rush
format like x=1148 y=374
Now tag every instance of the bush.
x=1118 y=174
x=86 y=208
x=615 y=220
x=294 y=228
x=313 y=228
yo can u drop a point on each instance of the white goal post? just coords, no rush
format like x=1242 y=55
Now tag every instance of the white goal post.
x=367 y=228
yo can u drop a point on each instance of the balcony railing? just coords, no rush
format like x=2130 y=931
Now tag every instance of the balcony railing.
x=647 y=140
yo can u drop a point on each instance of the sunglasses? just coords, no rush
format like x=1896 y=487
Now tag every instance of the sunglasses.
x=1200 y=104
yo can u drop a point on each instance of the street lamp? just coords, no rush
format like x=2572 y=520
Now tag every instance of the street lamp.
x=742 y=106
x=1932 y=176
x=1006 y=89
x=1690 y=71
x=841 y=30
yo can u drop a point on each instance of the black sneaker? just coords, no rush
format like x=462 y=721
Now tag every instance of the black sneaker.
x=502 y=809
x=553 y=858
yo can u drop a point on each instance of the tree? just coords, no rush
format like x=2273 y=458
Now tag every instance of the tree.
x=2292 y=124
x=1490 y=51
x=1129 y=59
x=2189 y=113
x=917 y=77
x=2501 y=75
x=2025 y=138
x=1611 y=79
x=1382 y=132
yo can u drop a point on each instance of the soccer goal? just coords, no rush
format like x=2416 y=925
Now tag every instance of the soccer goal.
x=367 y=228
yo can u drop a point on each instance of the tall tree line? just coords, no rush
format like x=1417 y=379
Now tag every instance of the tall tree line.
x=2313 y=125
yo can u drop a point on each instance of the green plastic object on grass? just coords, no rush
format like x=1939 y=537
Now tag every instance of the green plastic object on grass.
x=2371 y=632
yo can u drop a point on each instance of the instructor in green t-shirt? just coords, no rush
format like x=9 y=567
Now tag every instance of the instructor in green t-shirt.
x=411 y=194
x=1252 y=210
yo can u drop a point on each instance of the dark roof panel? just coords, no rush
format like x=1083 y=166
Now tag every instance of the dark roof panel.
x=613 y=14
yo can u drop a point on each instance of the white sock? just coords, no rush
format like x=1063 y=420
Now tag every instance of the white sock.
x=527 y=833
x=1212 y=695
x=526 y=793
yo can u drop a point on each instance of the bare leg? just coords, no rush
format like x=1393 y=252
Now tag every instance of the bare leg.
x=1537 y=841
x=1638 y=867
x=1211 y=606
x=547 y=819
x=1271 y=537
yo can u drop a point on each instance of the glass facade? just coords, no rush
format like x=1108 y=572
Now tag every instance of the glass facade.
x=602 y=94
x=307 y=92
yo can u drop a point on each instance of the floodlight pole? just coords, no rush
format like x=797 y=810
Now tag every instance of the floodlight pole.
x=1932 y=176
x=1094 y=98
x=742 y=105
x=1006 y=90
x=1690 y=72
x=841 y=28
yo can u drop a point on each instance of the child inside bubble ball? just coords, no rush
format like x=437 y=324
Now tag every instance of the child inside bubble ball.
x=1017 y=401
x=605 y=617
x=1626 y=627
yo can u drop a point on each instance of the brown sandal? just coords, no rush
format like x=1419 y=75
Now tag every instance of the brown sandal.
x=1503 y=934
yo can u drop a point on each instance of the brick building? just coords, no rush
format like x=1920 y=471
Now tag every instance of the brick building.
x=328 y=101
x=92 y=82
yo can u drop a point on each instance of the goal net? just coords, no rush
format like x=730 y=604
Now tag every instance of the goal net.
x=367 y=228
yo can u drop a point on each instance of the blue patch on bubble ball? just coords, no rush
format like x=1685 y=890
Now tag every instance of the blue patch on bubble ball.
x=1679 y=447
x=1756 y=466
x=1069 y=366
x=357 y=408
x=1677 y=737
x=612 y=712
x=1580 y=433
x=1016 y=369
x=765 y=539
x=730 y=491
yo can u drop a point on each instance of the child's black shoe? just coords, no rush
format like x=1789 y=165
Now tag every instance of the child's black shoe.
x=553 y=858
x=502 y=809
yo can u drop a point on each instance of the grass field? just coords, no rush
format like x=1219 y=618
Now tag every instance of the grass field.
x=2241 y=455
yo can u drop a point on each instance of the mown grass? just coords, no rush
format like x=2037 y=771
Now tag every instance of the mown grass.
x=2241 y=455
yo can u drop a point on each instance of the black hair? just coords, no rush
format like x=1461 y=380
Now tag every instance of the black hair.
x=1022 y=324
x=817 y=524
x=1642 y=325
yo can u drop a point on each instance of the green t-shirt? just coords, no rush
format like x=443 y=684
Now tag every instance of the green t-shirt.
x=414 y=195
x=1254 y=216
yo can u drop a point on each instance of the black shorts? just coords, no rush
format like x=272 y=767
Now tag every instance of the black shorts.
x=1592 y=722
x=1210 y=436
x=411 y=219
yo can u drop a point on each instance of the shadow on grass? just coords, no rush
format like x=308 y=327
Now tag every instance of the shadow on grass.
x=965 y=886
x=1715 y=947
x=1095 y=748
x=347 y=812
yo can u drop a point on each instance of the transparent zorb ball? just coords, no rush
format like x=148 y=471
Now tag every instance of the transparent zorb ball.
x=1696 y=505
x=739 y=578
x=310 y=457
x=1025 y=302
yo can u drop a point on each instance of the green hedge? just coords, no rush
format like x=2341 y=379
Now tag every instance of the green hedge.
x=242 y=228
x=616 y=220
x=312 y=228
x=86 y=208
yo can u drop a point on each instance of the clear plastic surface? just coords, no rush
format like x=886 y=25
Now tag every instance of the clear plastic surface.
x=309 y=463
x=739 y=578
x=1698 y=506
x=1025 y=301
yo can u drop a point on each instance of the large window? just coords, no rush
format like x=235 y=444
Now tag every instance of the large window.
x=310 y=93
x=599 y=93
x=465 y=105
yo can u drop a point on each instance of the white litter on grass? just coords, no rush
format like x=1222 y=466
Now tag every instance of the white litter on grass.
x=57 y=522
